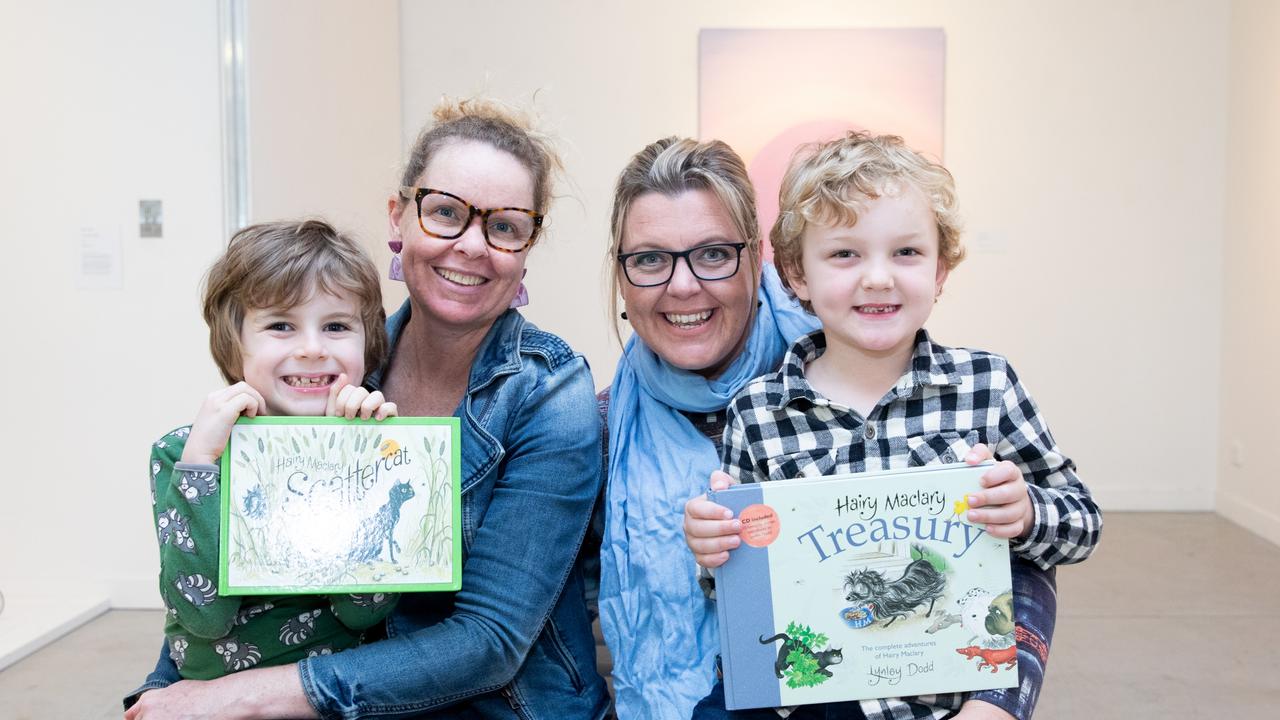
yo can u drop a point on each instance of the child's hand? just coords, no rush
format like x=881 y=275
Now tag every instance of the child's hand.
x=1006 y=506
x=710 y=530
x=212 y=426
x=348 y=401
x=980 y=710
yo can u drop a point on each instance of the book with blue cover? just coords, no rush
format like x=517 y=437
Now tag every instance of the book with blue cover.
x=863 y=586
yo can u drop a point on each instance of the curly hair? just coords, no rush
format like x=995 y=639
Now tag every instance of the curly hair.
x=827 y=184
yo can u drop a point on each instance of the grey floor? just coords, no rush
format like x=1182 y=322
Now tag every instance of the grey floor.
x=1177 y=615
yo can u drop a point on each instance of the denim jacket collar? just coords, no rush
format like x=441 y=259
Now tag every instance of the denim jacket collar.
x=498 y=354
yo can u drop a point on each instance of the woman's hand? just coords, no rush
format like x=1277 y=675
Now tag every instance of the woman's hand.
x=273 y=692
x=980 y=710
x=218 y=413
x=1005 y=504
x=185 y=700
x=711 y=530
x=348 y=401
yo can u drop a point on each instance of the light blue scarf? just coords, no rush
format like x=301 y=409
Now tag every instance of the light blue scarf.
x=660 y=628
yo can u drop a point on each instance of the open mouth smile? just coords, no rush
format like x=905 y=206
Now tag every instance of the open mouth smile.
x=877 y=309
x=309 y=382
x=688 y=320
x=460 y=278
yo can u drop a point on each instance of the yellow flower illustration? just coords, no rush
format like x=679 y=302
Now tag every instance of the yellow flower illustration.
x=388 y=448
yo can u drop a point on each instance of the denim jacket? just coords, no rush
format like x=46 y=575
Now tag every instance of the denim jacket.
x=515 y=641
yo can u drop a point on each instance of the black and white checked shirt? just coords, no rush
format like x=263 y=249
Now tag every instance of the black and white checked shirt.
x=947 y=401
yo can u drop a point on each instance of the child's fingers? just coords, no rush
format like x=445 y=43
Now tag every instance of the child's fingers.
x=370 y=404
x=331 y=405
x=386 y=410
x=1001 y=473
x=349 y=399
x=995 y=514
x=259 y=404
x=711 y=561
x=721 y=480
x=244 y=404
x=701 y=545
x=697 y=530
x=711 y=550
x=700 y=508
x=1004 y=492
x=979 y=453
x=1003 y=530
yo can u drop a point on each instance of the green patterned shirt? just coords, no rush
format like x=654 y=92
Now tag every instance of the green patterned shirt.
x=211 y=635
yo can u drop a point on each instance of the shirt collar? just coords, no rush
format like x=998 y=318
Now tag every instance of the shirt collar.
x=930 y=365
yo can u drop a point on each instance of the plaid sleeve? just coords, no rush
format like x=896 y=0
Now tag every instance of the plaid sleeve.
x=735 y=456
x=1068 y=522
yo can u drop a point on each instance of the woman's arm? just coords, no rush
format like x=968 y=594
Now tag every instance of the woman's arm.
x=518 y=563
x=272 y=692
x=519 y=559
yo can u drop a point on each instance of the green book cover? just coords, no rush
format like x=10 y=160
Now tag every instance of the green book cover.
x=329 y=505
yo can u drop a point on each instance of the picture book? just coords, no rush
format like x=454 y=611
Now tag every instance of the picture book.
x=329 y=505
x=863 y=586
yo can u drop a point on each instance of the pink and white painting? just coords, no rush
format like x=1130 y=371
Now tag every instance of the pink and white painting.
x=766 y=92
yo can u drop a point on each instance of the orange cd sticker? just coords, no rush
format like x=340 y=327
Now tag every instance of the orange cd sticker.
x=759 y=525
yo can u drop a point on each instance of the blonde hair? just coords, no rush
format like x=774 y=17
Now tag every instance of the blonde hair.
x=827 y=183
x=495 y=124
x=283 y=264
x=670 y=167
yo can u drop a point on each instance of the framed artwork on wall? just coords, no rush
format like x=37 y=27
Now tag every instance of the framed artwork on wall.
x=766 y=92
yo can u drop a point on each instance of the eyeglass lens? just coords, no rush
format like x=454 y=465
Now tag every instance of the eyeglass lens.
x=448 y=216
x=711 y=262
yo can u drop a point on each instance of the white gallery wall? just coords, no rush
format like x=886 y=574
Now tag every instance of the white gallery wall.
x=324 y=115
x=1247 y=491
x=104 y=104
x=1087 y=139
x=1098 y=148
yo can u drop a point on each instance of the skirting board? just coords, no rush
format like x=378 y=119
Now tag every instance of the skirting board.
x=1249 y=516
x=36 y=614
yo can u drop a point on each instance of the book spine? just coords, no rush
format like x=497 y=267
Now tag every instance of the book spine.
x=749 y=680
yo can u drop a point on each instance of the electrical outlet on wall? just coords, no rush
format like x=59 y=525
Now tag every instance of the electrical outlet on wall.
x=1237 y=453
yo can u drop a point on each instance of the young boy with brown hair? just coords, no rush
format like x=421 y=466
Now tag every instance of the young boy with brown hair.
x=295 y=320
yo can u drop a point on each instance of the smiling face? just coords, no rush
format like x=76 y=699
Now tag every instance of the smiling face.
x=873 y=284
x=293 y=356
x=463 y=284
x=697 y=325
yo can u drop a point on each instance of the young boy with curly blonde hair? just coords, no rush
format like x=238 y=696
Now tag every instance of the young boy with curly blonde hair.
x=866 y=236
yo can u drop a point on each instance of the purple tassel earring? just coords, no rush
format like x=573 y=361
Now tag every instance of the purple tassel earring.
x=397 y=270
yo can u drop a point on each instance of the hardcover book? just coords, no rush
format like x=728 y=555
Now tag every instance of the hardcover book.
x=863 y=586
x=329 y=505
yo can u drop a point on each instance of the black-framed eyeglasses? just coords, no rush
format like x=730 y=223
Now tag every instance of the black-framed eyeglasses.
x=650 y=268
x=446 y=216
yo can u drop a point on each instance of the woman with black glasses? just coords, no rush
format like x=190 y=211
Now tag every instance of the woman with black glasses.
x=708 y=316
x=515 y=641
